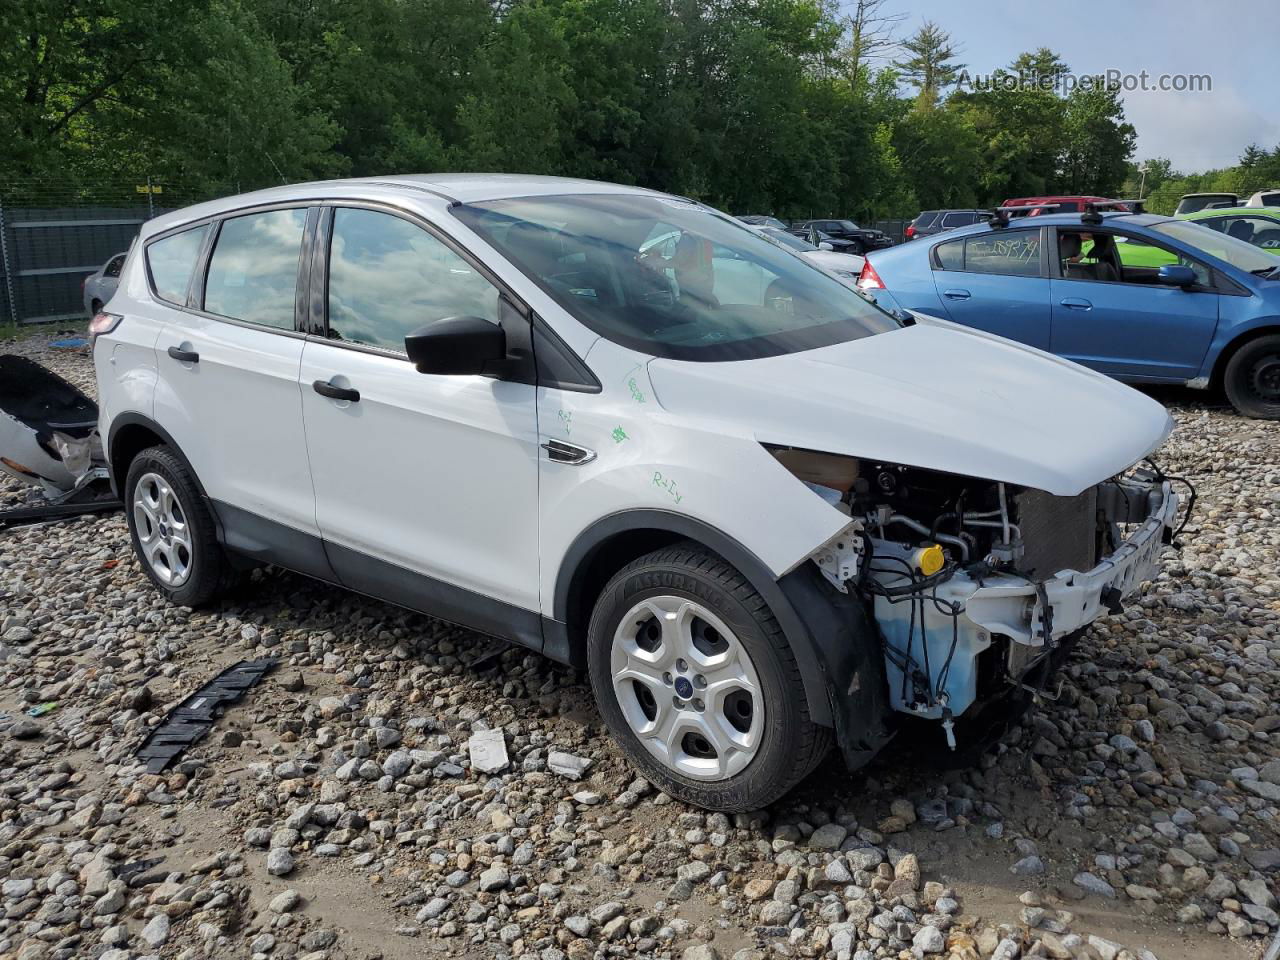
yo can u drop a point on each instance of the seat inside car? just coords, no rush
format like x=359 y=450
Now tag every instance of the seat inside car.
x=1241 y=230
x=1106 y=259
x=1103 y=262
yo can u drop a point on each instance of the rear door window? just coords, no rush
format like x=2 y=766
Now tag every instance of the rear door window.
x=1013 y=254
x=952 y=220
x=172 y=260
x=253 y=272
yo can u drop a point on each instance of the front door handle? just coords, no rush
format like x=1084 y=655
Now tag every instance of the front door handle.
x=184 y=356
x=1077 y=303
x=956 y=294
x=558 y=451
x=327 y=389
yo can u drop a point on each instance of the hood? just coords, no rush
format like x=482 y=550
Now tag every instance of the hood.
x=934 y=395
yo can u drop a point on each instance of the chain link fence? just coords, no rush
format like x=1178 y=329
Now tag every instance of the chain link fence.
x=55 y=233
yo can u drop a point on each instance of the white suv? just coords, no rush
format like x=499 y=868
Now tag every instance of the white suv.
x=762 y=513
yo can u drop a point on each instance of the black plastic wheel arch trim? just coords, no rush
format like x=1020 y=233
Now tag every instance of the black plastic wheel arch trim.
x=816 y=627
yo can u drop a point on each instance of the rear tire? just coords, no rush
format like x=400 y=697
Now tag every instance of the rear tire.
x=1252 y=378
x=698 y=684
x=172 y=530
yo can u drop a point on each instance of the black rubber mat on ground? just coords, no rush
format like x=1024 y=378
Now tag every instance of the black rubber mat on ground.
x=190 y=720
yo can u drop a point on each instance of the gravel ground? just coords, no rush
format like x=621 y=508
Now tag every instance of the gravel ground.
x=399 y=787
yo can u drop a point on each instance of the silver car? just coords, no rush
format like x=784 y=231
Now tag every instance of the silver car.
x=98 y=287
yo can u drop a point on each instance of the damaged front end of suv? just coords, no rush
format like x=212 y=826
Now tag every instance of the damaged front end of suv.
x=975 y=589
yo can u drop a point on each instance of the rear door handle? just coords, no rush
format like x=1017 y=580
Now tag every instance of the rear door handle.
x=956 y=294
x=327 y=389
x=1076 y=303
x=184 y=356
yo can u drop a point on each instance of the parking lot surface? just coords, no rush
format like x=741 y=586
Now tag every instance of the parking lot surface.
x=398 y=787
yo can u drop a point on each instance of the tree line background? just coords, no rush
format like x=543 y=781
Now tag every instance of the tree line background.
x=790 y=107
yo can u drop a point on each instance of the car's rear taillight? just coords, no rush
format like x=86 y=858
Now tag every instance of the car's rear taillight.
x=869 y=279
x=911 y=230
x=103 y=323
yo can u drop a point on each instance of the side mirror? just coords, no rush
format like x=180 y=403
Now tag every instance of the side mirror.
x=1176 y=275
x=825 y=246
x=456 y=346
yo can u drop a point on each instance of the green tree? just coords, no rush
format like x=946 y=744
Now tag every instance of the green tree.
x=510 y=121
x=930 y=61
x=1097 y=142
x=63 y=62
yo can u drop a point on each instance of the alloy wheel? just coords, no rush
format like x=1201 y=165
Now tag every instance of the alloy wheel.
x=163 y=533
x=687 y=688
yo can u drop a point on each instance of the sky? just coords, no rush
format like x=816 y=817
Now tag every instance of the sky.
x=1232 y=41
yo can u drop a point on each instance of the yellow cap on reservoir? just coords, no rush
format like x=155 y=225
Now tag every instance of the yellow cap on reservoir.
x=930 y=559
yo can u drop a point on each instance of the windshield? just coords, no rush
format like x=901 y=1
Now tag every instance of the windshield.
x=849 y=225
x=671 y=278
x=1238 y=253
x=788 y=240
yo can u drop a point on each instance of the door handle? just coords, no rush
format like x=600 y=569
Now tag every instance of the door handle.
x=956 y=294
x=570 y=453
x=327 y=389
x=1076 y=303
x=184 y=356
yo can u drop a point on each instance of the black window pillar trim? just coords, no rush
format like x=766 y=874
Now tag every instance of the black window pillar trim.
x=302 y=287
x=317 y=322
x=195 y=285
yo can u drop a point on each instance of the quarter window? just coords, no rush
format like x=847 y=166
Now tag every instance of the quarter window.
x=172 y=261
x=389 y=277
x=114 y=266
x=253 y=273
x=950 y=255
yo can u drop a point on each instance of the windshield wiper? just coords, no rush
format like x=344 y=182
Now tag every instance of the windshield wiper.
x=1266 y=271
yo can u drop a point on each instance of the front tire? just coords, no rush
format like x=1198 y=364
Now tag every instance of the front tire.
x=698 y=684
x=172 y=530
x=1252 y=378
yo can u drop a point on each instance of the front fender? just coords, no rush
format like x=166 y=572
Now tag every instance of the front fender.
x=1232 y=331
x=830 y=634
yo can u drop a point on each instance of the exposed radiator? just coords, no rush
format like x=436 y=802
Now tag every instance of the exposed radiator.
x=1058 y=533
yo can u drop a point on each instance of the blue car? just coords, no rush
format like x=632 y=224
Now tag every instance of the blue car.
x=1140 y=297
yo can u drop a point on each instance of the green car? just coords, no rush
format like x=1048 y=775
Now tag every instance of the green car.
x=1257 y=225
x=1133 y=253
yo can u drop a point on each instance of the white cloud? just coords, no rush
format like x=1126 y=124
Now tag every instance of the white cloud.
x=1198 y=131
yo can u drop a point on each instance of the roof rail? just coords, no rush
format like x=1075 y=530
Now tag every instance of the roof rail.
x=999 y=216
x=1094 y=210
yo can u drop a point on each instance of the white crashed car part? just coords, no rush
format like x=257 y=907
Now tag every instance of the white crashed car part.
x=982 y=594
